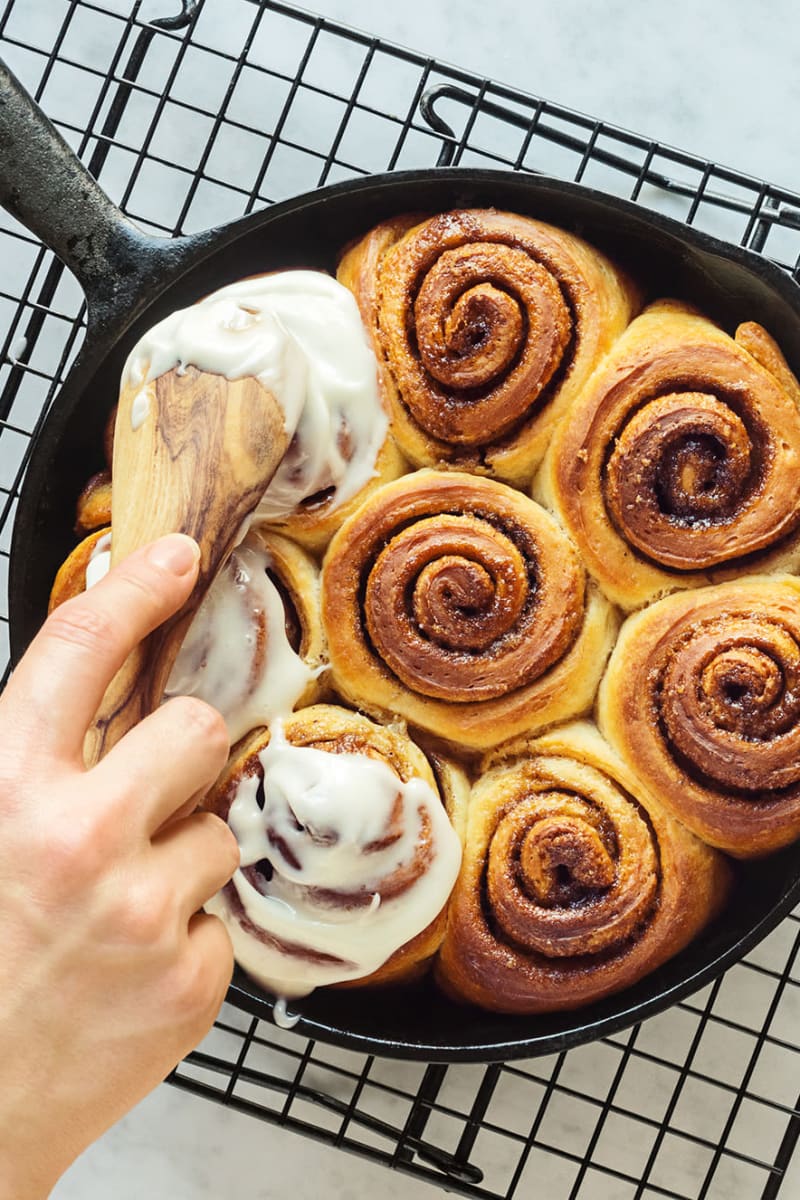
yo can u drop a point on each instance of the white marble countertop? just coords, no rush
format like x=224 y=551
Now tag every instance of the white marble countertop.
x=717 y=77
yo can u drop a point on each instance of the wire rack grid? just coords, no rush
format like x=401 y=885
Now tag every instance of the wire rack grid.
x=194 y=117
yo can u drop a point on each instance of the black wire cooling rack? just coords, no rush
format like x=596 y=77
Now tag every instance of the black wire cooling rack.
x=194 y=117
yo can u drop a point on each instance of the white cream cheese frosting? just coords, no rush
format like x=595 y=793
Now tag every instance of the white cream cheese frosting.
x=316 y=830
x=236 y=655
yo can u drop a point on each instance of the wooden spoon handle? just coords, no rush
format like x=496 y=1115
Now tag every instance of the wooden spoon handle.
x=193 y=453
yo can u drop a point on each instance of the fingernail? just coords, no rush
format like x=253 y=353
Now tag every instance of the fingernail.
x=175 y=553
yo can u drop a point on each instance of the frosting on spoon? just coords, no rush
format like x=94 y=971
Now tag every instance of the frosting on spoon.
x=300 y=334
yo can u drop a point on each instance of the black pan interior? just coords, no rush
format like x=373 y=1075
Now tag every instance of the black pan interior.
x=729 y=284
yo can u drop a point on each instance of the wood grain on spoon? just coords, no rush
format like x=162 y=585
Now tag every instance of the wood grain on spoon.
x=193 y=455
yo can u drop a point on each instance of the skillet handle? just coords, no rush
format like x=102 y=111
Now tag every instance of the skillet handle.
x=45 y=186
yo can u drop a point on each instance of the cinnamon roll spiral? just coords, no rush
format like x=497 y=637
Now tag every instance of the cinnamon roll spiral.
x=680 y=462
x=702 y=699
x=456 y=603
x=348 y=855
x=574 y=882
x=488 y=324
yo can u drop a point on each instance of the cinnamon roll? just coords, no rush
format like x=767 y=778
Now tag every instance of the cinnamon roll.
x=94 y=503
x=456 y=603
x=315 y=518
x=341 y=447
x=348 y=855
x=255 y=648
x=575 y=883
x=86 y=563
x=679 y=464
x=488 y=324
x=702 y=700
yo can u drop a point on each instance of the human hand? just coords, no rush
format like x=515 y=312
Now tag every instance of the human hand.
x=109 y=974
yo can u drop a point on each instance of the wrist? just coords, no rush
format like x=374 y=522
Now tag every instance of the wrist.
x=34 y=1154
x=22 y=1177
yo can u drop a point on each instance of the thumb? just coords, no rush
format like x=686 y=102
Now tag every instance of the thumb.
x=59 y=683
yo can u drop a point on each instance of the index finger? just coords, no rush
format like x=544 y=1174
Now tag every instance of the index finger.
x=59 y=683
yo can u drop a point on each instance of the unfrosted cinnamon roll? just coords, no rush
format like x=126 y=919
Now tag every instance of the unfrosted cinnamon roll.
x=456 y=603
x=702 y=699
x=574 y=884
x=348 y=855
x=93 y=509
x=679 y=464
x=488 y=324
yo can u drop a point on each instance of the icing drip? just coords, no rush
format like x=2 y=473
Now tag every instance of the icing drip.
x=282 y=1017
x=99 y=562
x=333 y=829
x=300 y=334
x=140 y=408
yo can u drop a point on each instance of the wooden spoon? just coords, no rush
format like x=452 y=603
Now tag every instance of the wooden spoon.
x=193 y=453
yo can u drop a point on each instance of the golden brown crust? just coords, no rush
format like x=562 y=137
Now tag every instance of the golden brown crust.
x=336 y=730
x=94 y=504
x=296 y=577
x=457 y=604
x=70 y=580
x=702 y=699
x=679 y=465
x=574 y=884
x=487 y=324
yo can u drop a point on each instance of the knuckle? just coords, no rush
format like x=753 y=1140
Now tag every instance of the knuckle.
x=200 y=718
x=74 y=854
x=198 y=987
x=82 y=624
x=143 y=584
x=143 y=916
x=222 y=839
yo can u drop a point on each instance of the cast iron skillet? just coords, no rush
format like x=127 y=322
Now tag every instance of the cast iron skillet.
x=132 y=280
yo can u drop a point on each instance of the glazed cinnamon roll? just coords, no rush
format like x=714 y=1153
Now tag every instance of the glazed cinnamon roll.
x=342 y=448
x=316 y=517
x=348 y=855
x=456 y=603
x=255 y=649
x=680 y=462
x=702 y=699
x=575 y=883
x=488 y=324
